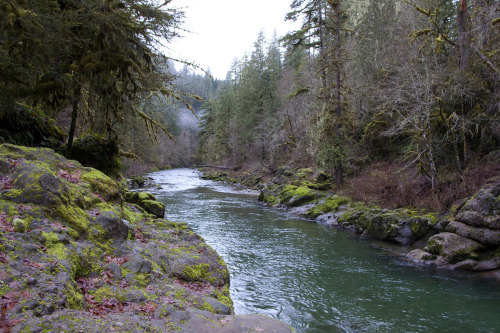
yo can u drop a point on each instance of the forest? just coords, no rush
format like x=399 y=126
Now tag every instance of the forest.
x=396 y=100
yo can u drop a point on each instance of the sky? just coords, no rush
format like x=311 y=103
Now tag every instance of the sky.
x=222 y=30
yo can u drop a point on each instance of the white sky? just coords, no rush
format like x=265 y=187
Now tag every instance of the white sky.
x=222 y=30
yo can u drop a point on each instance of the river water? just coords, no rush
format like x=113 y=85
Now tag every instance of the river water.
x=319 y=279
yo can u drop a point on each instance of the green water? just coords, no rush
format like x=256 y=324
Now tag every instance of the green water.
x=318 y=279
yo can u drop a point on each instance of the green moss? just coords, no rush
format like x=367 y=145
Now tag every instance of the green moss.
x=73 y=233
x=331 y=204
x=434 y=246
x=304 y=173
x=74 y=216
x=21 y=225
x=433 y=218
x=59 y=251
x=74 y=299
x=90 y=260
x=207 y=307
x=138 y=180
x=198 y=272
x=100 y=183
x=223 y=295
x=272 y=200
x=296 y=196
x=143 y=279
x=132 y=216
x=51 y=238
x=107 y=293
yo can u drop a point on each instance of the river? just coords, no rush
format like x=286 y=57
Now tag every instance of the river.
x=319 y=279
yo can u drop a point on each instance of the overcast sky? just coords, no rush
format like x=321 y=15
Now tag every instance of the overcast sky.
x=222 y=30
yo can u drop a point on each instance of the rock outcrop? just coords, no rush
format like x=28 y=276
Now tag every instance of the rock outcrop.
x=468 y=240
x=80 y=254
x=471 y=240
x=308 y=197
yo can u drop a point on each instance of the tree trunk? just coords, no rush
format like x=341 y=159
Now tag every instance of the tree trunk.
x=339 y=169
x=463 y=48
x=74 y=115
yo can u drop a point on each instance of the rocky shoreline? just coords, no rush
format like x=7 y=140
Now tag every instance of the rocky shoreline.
x=467 y=239
x=79 y=253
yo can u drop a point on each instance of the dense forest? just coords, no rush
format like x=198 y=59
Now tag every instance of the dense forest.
x=397 y=100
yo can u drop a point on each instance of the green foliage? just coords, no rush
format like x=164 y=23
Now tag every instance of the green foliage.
x=238 y=124
x=99 y=57
x=30 y=127
x=96 y=152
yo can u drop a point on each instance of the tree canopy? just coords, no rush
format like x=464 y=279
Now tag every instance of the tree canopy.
x=101 y=58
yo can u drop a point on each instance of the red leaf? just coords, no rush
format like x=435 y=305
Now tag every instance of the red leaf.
x=71 y=177
x=123 y=284
x=119 y=261
x=57 y=225
x=3 y=258
x=150 y=307
x=4 y=224
x=23 y=208
x=15 y=163
x=94 y=212
x=6 y=183
x=33 y=264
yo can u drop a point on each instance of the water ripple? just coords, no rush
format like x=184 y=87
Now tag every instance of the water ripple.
x=317 y=279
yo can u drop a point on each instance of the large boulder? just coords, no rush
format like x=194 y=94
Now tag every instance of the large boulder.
x=452 y=247
x=471 y=240
x=486 y=236
x=71 y=251
x=147 y=201
x=400 y=226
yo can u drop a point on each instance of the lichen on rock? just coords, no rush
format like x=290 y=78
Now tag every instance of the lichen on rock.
x=73 y=250
x=470 y=241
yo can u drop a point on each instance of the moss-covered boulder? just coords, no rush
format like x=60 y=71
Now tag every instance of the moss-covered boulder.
x=471 y=240
x=327 y=205
x=400 y=226
x=294 y=196
x=486 y=236
x=147 y=201
x=452 y=247
x=75 y=257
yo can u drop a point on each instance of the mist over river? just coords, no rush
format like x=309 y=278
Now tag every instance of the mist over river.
x=319 y=279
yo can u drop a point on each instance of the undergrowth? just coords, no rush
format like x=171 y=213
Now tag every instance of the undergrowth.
x=389 y=185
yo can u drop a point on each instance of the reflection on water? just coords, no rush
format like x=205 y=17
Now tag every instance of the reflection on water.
x=318 y=279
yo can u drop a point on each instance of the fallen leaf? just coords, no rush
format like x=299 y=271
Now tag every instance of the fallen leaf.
x=33 y=264
x=71 y=177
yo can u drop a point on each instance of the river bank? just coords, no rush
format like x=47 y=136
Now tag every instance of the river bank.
x=80 y=253
x=466 y=239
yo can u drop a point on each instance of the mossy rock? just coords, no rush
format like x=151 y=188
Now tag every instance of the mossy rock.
x=330 y=204
x=268 y=199
x=286 y=171
x=294 y=196
x=399 y=226
x=68 y=251
x=138 y=180
x=452 y=247
x=146 y=201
